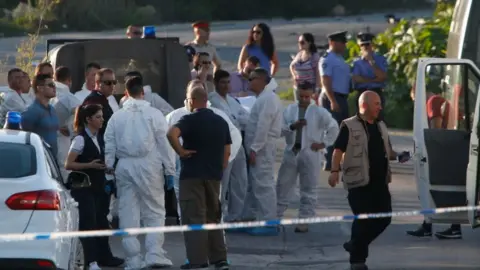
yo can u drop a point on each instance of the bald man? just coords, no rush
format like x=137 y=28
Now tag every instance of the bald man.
x=203 y=156
x=366 y=174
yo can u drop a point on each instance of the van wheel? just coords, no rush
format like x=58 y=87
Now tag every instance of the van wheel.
x=78 y=260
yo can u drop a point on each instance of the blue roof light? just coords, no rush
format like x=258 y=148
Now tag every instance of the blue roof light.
x=148 y=31
x=14 y=117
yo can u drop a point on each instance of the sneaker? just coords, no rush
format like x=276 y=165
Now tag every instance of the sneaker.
x=301 y=228
x=94 y=266
x=194 y=266
x=449 y=234
x=221 y=265
x=421 y=232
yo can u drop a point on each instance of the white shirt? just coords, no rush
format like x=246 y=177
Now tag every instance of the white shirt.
x=78 y=143
x=13 y=101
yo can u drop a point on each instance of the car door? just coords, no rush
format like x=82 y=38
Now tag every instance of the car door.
x=68 y=216
x=445 y=103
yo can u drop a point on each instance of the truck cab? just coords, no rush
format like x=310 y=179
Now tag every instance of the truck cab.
x=446 y=137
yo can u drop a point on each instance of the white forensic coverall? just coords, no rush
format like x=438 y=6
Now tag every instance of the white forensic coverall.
x=13 y=101
x=235 y=178
x=261 y=133
x=176 y=115
x=65 y=104
x=83 y=94
x=137 y=136
x=321 y=128
x=155 y=100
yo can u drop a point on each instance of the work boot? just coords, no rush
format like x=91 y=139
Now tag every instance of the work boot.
x=425 y=230
x=358 y=266
x=301 y=228
x=450 y=233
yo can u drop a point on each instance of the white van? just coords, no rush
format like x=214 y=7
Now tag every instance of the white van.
x=446 y=157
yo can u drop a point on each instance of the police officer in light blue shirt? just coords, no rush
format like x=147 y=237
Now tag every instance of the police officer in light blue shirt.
x=369 y=71
x=336 y=82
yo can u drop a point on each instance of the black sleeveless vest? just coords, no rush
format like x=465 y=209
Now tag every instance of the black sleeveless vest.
x=90 y=153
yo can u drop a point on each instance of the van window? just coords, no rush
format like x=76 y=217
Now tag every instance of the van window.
x=451 y=96
x=18 y=160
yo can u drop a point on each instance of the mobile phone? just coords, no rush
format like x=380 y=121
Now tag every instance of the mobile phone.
x=404 y=156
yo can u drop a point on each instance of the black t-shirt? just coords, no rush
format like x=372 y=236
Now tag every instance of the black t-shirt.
x=376 y=150
x=207 y=133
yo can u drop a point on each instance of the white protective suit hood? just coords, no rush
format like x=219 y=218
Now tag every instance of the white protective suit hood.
x=141 y=145
x=174 y=117
x=155 y=100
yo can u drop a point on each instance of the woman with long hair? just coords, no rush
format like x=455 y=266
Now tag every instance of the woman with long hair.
x=304 y=67
x=87 y=155
x=260 y=44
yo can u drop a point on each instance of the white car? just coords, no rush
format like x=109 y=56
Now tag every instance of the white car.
x=33 y=199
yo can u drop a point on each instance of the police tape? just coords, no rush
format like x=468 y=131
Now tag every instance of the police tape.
x=224 y=226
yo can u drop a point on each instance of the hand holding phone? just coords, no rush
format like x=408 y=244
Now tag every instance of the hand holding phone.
x=403 y=157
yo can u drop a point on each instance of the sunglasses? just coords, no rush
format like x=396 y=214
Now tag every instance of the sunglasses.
x=301 y=42
x=51 y=85
x=206 y=62
x=252 y=78
x=138 y=33
x=111 y=82
x=257 y=32
x=365 y=44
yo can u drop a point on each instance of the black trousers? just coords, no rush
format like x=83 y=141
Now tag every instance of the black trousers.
x=93 y=208
x=363 y=200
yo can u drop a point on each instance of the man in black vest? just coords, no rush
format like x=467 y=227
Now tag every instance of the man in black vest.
x=104 y=86
x=105 y=82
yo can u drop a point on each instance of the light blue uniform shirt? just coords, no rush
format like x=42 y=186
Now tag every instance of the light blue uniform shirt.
x=334 y=66
x=361 y=67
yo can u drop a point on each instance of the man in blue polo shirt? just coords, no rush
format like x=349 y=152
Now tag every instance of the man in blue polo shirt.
x=40 y=117
x=369 y=71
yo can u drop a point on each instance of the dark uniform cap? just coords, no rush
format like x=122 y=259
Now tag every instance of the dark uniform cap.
x=338 y=36
x=201 y=24
x=365 y=38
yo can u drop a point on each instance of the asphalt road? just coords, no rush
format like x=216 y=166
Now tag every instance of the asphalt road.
x=321 y=248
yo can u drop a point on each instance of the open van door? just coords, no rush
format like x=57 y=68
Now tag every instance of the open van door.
x=446 y=101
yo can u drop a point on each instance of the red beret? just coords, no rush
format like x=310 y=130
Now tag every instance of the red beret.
x=201 y=24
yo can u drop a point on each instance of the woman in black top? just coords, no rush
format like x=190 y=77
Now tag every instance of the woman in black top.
x=87 y=155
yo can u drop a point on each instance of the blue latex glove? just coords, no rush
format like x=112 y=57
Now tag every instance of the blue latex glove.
x=170 y=180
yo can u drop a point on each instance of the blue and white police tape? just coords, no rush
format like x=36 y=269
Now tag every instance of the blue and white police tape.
x=237 y=225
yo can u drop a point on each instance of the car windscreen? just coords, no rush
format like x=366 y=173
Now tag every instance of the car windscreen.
x=17 y=160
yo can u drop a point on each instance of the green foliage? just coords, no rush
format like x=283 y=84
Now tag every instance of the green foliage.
x=403 y=44
x=287 y=95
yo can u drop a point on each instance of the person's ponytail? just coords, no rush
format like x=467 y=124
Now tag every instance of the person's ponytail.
x=79 y=121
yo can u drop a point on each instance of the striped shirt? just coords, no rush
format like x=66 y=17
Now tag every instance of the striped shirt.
x=306 y=71
x=42 y=120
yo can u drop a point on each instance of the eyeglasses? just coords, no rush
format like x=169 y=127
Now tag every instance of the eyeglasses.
x=110 y=82
x=51 y=85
